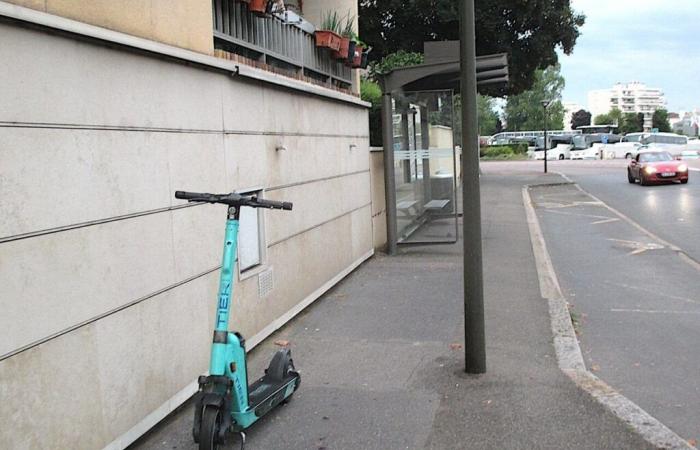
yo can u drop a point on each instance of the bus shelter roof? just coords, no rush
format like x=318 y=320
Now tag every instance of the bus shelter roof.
x=441 y=70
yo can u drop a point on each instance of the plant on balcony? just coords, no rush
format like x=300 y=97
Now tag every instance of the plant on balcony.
x=346 y=39
x=328 y=36
x=257 y=6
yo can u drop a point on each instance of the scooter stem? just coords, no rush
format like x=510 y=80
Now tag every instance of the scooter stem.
x=228 y=265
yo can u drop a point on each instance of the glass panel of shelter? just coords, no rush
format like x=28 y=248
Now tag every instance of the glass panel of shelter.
x=425 y=167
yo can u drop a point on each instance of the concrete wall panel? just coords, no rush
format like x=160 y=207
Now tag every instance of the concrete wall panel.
x=81 y=83
x=88 y=386
x=97 y=174
x=316 y=203
x=250 y=159
x=89 y=271
x=378 y=200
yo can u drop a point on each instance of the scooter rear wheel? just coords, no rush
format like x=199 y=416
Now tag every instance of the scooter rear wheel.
x=209 y=431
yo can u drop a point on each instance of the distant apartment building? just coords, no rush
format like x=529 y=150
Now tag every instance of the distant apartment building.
x=632 y=97
x=687 y=123
x=569 y=109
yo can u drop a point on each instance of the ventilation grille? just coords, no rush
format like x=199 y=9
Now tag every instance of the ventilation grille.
x=266 y=283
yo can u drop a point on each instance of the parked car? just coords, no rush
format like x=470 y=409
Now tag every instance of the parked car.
x=656 y=167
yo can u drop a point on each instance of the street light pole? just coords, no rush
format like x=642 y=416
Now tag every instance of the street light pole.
x=545 y=105
x=474 y=333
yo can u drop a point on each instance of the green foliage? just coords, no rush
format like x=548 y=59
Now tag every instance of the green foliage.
x=631 y=123
x=348 y=29
x=372 y=93
x=331 y=21
x=660 y=120
x=603 y=119
x=615 y=116
x=525 y=111
x=395 y=60
x=486 y=115
x=510 y=151
x=580 y=118
x=529 y=31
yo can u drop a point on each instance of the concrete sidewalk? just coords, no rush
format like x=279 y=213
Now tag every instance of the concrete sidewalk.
x=382 y=361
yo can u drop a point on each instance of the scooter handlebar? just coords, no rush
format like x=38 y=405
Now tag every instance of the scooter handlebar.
x=261 y=203
x=233 y=199
x=190 y=195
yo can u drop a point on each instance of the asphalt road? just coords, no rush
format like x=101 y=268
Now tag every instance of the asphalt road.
x=637 y=300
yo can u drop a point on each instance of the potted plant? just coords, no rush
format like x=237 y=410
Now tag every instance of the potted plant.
x=257 y=6
x=328 y=36
x=357 y=56
x=346 y=35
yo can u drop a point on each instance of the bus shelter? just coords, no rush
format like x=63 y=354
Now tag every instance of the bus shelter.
x=421 y=132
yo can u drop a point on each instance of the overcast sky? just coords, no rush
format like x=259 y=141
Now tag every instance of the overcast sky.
x=655 y=42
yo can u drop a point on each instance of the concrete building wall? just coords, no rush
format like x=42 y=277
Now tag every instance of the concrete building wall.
x=378 y=198
x=184 y=23
x=107 y=283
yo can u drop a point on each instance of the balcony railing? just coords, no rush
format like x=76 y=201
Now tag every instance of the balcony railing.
x=272 y=41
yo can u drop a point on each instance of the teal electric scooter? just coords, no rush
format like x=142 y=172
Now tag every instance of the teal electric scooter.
x=224 y=401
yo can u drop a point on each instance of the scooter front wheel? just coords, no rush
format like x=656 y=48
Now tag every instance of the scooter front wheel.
x=209 y=430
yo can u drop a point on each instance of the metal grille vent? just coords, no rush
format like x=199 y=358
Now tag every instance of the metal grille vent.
x=266 y=283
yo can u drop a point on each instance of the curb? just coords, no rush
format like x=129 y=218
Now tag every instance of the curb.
x=567 y=347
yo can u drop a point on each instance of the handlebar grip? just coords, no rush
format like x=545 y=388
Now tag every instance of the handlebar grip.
x=189 y=195
x=274 y=204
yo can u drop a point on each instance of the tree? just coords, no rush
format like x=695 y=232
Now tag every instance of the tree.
x=372 y=93
x=615 y=116
x=660 y=120
x=525 y=112
x=580 y=118
x=530 y=32
x=602 y=119
x=487 y=116
x=632 y=123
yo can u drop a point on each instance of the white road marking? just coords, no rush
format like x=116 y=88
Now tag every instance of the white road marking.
x=653 y=311
x=681 y=253
x=656 y=292
x=637 y=247
x=612 y=219
x=564 y=213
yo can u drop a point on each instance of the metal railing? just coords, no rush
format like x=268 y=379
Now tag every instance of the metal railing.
x=275 y=42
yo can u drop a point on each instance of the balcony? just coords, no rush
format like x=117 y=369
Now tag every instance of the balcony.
x=283 y=43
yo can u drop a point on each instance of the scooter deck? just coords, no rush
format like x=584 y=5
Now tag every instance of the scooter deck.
x=265 y=393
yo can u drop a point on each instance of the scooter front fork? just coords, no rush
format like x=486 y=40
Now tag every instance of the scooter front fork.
x=214 y=391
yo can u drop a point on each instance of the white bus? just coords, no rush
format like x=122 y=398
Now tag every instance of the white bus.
x=627 y=148
x=559 y=147
x=593 y=146
x=670 y=142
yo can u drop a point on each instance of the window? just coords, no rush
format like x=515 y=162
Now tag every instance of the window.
x=251 y=240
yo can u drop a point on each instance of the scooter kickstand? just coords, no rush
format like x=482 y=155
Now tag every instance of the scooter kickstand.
x=242 y=434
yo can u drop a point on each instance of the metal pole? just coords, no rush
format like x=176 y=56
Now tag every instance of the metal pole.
x=545 y=139
x=389 y=176
x=474 y=335
x=545 y=105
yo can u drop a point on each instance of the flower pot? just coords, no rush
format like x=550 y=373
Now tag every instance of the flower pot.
x=257 y=6
x=365 y=60
x=327 y=39
x=350 y=55
x=357 y=59
x=342 y=52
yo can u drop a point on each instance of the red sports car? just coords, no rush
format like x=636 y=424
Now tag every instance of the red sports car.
x=656 y=167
